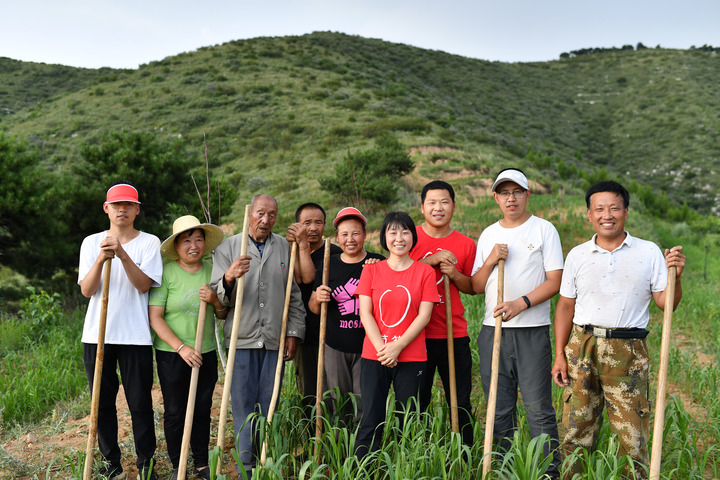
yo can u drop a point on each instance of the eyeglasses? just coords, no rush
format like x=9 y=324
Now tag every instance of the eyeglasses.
x=517 y=194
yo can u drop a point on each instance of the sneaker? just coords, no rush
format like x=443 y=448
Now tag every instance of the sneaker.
x=174 y=474
x=203 y=472
x=111 y=473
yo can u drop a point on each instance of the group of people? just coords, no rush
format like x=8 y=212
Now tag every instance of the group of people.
x=386 y=319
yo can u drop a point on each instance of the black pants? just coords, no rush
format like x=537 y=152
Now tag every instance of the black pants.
x=306 y=365
x=136 y=370
x=174 y=375
x=437 y=353
x=375 y=381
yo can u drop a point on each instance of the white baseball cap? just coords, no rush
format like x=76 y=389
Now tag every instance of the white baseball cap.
x=511 y=175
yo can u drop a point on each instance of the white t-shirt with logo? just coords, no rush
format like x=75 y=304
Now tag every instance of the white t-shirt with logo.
x=533 y=249
x=127 y=311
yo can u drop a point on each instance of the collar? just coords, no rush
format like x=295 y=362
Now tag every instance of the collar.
x=596 y=248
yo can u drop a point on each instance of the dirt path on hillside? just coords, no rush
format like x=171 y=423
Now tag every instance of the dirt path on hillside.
x=63 y=441
x=477 y=187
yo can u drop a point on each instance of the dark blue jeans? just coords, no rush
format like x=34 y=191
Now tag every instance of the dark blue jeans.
x=252 y=385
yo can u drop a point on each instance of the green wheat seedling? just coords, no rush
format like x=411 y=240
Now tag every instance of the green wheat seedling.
x=602 y=463
x=525 y=460
x=691 y=446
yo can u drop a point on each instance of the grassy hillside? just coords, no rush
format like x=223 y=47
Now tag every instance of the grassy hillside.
x=24 y=84
x=279 y=112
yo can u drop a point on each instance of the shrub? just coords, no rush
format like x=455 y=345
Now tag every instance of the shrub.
x=370 y=177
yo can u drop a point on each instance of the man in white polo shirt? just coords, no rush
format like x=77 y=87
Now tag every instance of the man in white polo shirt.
x=601 y=355
x=533 y=258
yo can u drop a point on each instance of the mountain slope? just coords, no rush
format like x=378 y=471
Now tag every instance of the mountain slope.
x=278 y=112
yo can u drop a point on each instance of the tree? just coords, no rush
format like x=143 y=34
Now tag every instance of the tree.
x=24 y=207
x=45 y=214
x=369 y=177
x=158 y=168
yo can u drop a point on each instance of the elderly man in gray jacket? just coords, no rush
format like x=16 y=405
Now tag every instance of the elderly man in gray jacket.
x=266 y=275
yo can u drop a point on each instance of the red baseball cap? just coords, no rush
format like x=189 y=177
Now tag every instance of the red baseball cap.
x=349 y=212
x=122 y=193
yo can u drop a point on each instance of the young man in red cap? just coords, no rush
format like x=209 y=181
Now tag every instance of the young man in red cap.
x=451 y=253
x=136 y=266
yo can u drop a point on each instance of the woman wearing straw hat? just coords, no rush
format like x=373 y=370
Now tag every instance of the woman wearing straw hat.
x=174 y=308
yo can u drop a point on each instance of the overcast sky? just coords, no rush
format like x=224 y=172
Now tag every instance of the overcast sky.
x=127 y=33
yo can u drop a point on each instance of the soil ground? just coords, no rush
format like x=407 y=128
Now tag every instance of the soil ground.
x=53 y=448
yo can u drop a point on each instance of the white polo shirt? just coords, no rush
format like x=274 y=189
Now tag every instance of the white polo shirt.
x=614 y=289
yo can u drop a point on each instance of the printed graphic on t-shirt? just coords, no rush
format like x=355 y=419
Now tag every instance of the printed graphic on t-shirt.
x=348 y=304
x=191 y=302
x=344 y=296
x=395 y=296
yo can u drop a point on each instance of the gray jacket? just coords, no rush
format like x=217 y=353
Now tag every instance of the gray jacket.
x=264 y=293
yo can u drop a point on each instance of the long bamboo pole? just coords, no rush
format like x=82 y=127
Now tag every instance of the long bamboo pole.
x=492 y=397
x=239 y=291
x=321 y=351
x=281 y=348
x=454 y=420
x=659 y=425
x=97 y=377
x=192 y=395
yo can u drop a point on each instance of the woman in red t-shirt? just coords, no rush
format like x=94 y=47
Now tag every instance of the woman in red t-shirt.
x=396 y=301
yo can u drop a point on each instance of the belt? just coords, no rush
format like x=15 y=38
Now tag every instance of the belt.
x=615 y=332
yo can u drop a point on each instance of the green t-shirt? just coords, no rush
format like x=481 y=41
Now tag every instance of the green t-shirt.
x=179 y=294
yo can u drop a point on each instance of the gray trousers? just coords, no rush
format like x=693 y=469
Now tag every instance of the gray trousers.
x=343 y=371
x=525 y=363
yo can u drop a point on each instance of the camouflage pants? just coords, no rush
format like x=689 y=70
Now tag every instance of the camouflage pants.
x=611 y=373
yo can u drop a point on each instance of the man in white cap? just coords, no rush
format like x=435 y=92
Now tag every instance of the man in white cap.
x=136 y=266
x=533 y=258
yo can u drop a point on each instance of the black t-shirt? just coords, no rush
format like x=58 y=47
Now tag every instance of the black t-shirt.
x=344 y=329
x=312 y=321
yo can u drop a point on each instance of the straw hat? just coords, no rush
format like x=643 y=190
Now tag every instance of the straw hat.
x=213 y=235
